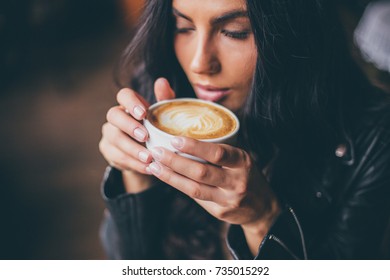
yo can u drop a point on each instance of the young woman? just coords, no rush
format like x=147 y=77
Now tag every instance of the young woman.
x=310 y=177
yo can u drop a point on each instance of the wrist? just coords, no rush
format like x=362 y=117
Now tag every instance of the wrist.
x=256 y=231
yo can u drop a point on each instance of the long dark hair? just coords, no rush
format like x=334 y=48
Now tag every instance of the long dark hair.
x=305 y=77
x=150 y=54
x=302 y=86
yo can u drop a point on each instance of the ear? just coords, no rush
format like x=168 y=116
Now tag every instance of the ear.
x=163 y=90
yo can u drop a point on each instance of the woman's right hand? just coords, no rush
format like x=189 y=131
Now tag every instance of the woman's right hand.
x=123 y=135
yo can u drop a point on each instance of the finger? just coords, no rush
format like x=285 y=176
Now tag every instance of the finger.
x=126 y=144
x=218 y=154
x=120 y=160
x=197 y=171
x=134 y=103
x=118 y=117
x=163 y=90
x=187 y=186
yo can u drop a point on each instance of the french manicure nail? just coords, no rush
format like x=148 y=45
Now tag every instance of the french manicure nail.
x=139 y=111
x=155 y=168
x=139 y=134
x=177 y=142
x=157 y=153
x=143 y=156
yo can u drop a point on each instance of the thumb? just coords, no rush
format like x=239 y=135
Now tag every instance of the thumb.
x=163 y=90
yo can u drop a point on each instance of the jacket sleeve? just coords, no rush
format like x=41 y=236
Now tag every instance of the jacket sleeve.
x=132 y=222
x=357 y=219
x=285 y=240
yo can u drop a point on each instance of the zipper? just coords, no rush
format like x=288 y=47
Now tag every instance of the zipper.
x=281 y=243
x=232 y=251
x=300 y=232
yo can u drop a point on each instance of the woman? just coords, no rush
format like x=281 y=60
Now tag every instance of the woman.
x=310 y=177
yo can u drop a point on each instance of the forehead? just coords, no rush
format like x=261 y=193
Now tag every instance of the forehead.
x=207 y=8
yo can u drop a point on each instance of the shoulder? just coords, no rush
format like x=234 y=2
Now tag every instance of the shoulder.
x=373 y=130
x=370 y=144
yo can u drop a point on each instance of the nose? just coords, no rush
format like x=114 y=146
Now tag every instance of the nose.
x=205 y=59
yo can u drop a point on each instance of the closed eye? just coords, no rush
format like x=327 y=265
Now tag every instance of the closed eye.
x=239 y=35
x=183 y=30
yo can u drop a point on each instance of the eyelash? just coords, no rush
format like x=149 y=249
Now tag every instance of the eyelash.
x=238 y=35
x=183 y=30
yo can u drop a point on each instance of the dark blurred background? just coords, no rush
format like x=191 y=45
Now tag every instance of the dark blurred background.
x=56 y=84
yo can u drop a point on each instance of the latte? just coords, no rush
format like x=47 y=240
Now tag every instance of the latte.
x=192 y=118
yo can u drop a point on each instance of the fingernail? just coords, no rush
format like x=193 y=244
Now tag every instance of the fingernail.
x=147 y=169
x=140 y=134
x=177 y=142
x=143 y=156
x=155 y=168
x=139 y=111
x=157 y=153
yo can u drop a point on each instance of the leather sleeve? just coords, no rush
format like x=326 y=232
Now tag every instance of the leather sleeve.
x=363 y=206
x=285 y=240
x=132 y=222
x=354 y=222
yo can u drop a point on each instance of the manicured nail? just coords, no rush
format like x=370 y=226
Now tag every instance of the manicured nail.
x=155 y=168
x=143 y=156
x=157 y=153
x=177 y=142
x=140 y=134
x=139 y=111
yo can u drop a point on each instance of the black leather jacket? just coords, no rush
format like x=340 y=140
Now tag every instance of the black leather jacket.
x=336 y=208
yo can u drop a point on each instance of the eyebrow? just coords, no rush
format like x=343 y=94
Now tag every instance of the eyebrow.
x=225 y=17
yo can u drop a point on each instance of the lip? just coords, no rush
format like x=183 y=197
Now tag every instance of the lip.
x=210 y=93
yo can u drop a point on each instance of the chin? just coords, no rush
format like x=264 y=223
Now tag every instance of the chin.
x=233 y=105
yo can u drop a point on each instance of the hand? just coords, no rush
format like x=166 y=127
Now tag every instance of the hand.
x=123 y=135
x=231 y=187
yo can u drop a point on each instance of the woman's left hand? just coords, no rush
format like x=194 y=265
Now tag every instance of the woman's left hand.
x=230 y=186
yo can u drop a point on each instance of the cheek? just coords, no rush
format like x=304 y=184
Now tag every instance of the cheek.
x=242 y=68
x=239 y=56
x=182 y=52
x=249 y=63
x=249 y=69
x=242 y=65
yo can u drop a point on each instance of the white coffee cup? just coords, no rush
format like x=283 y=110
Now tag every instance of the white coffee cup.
x=203 y=120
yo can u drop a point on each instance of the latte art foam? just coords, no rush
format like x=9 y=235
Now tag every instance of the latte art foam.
x=199 y=121
x=192 y=119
